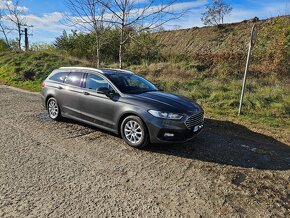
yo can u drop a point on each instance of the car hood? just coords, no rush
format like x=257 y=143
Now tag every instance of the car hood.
x=167 y=102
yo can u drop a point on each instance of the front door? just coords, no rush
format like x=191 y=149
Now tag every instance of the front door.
x=97 y=108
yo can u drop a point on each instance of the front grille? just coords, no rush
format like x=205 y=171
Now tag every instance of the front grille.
x=194 y=120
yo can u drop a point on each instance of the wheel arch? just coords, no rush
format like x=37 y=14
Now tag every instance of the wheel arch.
x=123 y=117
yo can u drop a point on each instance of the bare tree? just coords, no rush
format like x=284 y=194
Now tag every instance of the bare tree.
x=140 y=16
x=88 y=15
x=16 y=17
x=3 y=28
x=215 y=12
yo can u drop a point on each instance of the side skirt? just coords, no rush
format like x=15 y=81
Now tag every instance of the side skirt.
x=90 y=123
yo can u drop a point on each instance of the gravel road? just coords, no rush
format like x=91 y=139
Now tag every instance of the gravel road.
x=67 y=169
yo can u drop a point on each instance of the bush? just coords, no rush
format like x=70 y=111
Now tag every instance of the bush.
x=141 y=47
x=3 y=46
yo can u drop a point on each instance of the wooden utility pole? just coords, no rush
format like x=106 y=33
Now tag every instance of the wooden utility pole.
x=26 y=39
x=26 y=36
x=251 y=44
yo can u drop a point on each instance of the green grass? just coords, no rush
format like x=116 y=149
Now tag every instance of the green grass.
x=266 y=103
x=27 y=69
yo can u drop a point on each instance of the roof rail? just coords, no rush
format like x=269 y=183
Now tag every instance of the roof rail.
x=80 y=68
x=94 y=69
x=116 y=69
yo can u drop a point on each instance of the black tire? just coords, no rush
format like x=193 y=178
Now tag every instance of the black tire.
x=53 y=113
x=143 y=140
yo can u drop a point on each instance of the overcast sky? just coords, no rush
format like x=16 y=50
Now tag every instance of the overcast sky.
x=47 y=15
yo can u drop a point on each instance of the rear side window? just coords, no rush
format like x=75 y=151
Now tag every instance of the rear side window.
x=59 y=77
x=74 y=79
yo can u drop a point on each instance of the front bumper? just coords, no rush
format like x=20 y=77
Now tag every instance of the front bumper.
x=171 y=131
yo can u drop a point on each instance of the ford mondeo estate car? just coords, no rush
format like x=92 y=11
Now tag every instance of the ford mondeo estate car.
x=121 y=102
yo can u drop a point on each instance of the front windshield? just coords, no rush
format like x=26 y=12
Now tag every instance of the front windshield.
x=131 y=83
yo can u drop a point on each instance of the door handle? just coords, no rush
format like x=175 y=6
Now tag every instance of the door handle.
x=86 y=93
x=60 y=87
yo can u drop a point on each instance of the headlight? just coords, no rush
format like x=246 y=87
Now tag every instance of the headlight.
x=165 y=115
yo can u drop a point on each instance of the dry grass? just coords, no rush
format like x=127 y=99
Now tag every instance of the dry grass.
x=227 y=46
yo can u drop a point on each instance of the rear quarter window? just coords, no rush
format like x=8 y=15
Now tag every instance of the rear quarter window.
x=75 y=79
x=59 y=77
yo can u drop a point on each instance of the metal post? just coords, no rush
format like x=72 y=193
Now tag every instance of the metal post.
x=247 y=67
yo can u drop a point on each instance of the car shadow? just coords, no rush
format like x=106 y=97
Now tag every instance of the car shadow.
x=227 y=143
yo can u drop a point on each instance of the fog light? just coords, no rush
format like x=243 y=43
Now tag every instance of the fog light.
x=168 y=134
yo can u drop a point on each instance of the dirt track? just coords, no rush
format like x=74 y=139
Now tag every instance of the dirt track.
x=67 y=169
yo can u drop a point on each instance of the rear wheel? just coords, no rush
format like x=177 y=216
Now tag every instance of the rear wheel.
x=134 y=132
x=53 y=109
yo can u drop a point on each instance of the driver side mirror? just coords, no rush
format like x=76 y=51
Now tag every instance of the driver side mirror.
x=105 y=91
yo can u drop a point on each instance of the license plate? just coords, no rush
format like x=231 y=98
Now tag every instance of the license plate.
x=196 y=128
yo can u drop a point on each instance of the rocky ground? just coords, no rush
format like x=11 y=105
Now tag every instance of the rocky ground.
x=67 y=169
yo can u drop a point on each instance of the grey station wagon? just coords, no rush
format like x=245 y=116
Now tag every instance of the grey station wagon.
x=121 y=102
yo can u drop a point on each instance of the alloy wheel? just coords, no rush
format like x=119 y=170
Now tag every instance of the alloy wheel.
x=133 y=132
x=53 y=109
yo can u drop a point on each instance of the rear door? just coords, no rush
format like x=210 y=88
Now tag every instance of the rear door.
x=54 y=85
x=70 y=94
x=98 y=108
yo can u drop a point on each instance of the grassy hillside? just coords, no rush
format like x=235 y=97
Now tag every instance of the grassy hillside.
x=27 y=70
x=223 y=49
x=205 y=64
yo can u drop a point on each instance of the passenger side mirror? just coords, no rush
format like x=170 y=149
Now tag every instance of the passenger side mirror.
x=105 y=91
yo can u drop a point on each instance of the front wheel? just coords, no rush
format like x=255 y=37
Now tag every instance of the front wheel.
x=134 y=132
x=53 y=109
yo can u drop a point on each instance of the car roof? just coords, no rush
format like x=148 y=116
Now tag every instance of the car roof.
x=102 y=71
